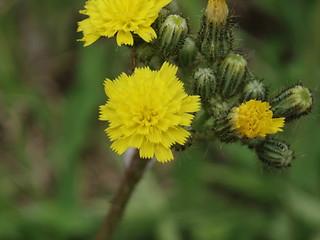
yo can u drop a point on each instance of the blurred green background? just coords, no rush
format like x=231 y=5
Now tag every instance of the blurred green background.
x=57 y=174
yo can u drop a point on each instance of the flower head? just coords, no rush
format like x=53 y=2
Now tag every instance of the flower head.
x=254 y=119
x=217 y=11
x=147 y=111
x=121 y=17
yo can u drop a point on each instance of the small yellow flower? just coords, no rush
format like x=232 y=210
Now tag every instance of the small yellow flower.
x=217 y=11
x=121 y=17
x=146 y=111
x=254 y=119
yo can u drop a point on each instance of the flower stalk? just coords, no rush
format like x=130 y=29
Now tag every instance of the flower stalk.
x=133 y=174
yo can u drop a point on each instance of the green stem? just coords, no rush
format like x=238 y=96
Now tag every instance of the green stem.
x=132 y=176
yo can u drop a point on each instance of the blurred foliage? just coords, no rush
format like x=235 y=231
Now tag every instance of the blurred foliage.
x=57 y=174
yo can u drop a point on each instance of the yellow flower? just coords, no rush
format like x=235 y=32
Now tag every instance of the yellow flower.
x=146 y=111
x=217 y=11
x=254 y=119
x=121 y=17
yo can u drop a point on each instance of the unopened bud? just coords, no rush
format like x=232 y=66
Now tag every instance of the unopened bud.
x=188 y=52
x=233 y=71
x=275 y=153
x=172 y=34
x=292 y=103
x=254 y=89
x=224 y=129
x=163 y=14
x=215 y=38
x=205 y=83
x=217 y=11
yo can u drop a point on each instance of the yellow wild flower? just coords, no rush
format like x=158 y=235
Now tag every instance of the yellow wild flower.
x=147 y=111
x=121 y=17
x=254 y=119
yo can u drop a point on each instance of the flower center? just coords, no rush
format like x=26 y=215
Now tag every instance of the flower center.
x=148 y=117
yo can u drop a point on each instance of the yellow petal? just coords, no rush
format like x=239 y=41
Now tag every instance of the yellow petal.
x=191 y=103
x=120 y=145
x=136 y=140
x=147 y=149
x=146 y=33
x=163 y=154
x=124 y=38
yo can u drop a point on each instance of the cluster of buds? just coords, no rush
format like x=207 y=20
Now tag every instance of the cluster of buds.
x=236 y=106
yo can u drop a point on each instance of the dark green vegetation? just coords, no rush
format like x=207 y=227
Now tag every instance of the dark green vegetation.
x=57 y=173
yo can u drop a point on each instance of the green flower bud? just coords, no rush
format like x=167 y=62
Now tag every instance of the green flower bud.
x=292 y=103
x=224 y=130
x=233 y=70
x=275 y=153
x=163 y=14
x=218 y=107
x=214 y=41
x=205 y=83
x=172 y=34
x=188 y=53
x=254 y=89
x=215 y=38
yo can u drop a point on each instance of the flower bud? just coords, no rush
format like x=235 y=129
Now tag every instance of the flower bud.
x=217 y=11
x=215 y=38
x=233 y=71
x=292 y=103
x=254 y=89
x=163 y=14
x=188 y=52
x=172 y=34
x=219 y=108
x=205 y=83
x=224 y=129
x=275 y=153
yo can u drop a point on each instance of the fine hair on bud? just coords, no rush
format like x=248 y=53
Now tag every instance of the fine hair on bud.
x=233 y=71
x=254 y=89
x=275 y=153
x=292 y=103
x=173 y=31
x=205 y=83
x=188 y=52
x=215 y=38
x=224 y=129
x=215 y=41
